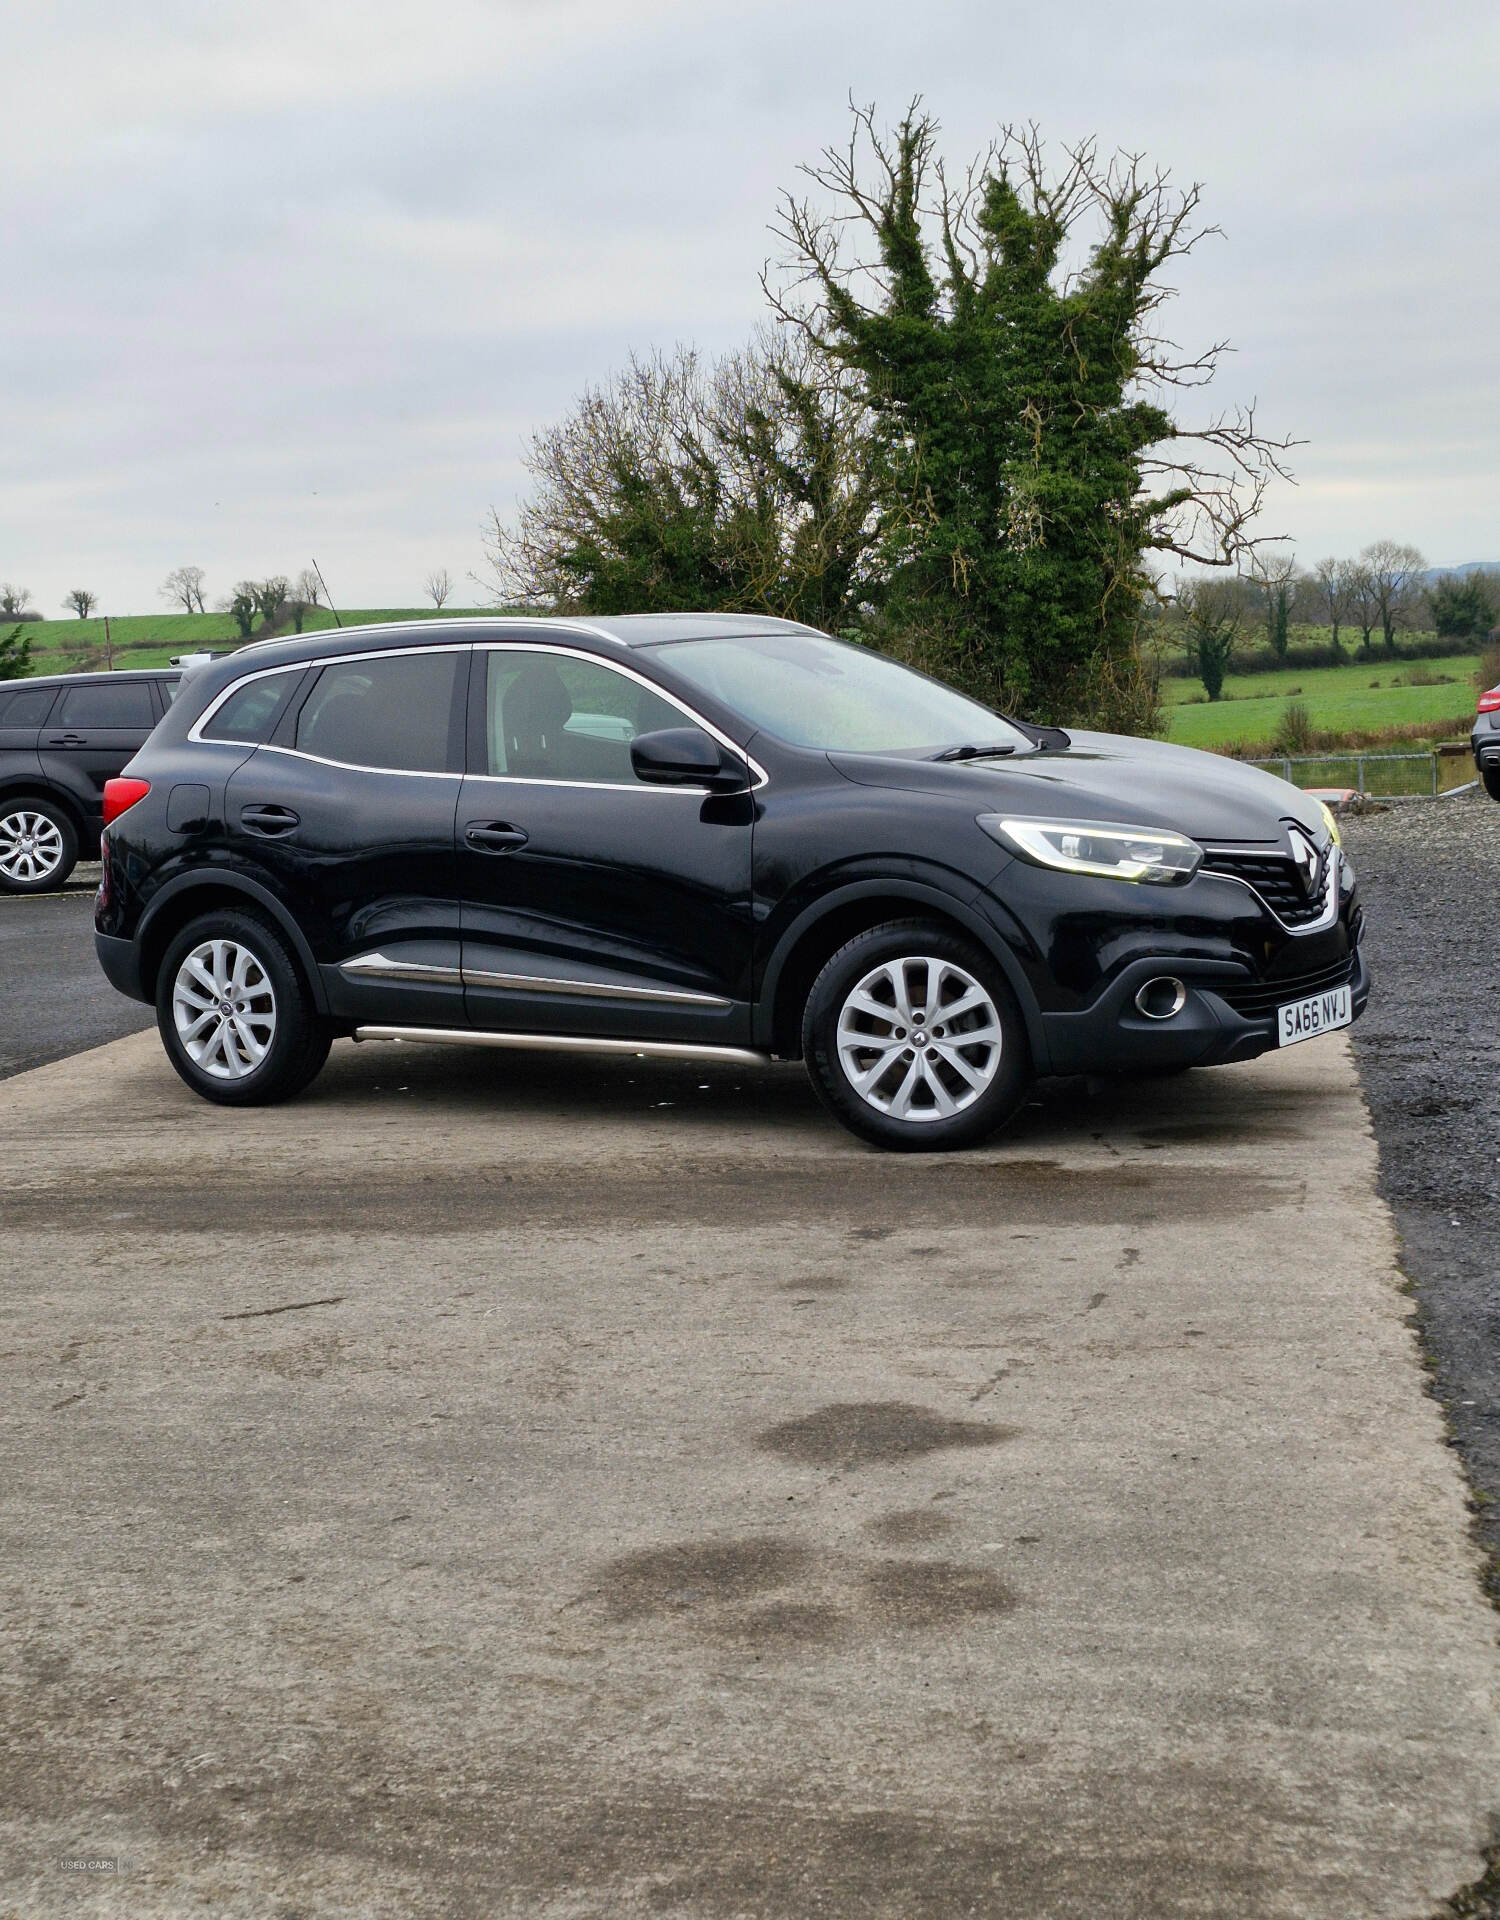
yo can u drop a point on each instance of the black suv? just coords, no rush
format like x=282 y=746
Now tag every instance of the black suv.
x=703 y=836
x=60 y=740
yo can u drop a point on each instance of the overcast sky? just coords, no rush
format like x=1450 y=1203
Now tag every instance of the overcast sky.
x=292 y=279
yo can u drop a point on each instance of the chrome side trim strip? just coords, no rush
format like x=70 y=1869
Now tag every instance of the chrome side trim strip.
x=594 y=989
x=566 y=1043
x=380 y=966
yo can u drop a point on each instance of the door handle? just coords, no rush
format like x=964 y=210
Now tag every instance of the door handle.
x=269 y=820
x=67 y=740
x=495 y=836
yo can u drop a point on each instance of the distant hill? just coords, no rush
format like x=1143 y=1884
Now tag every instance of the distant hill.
x=150 y=639
x=1434 y=574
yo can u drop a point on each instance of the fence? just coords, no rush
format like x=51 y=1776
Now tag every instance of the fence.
x=1390 y=775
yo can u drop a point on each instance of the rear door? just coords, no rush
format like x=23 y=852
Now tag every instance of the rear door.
x=347 y=813
x=93 y=729
x=594 y=903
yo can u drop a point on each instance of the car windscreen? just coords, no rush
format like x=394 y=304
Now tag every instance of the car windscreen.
x=815 y=692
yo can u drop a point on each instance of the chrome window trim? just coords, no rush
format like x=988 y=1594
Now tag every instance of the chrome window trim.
x=759 y=776
x=1331 y=894
x=195 y=731
x=759 y=779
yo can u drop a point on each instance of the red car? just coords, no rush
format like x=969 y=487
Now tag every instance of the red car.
x=1485 y=740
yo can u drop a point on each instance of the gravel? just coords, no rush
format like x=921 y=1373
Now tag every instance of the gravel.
x=1429 y=1057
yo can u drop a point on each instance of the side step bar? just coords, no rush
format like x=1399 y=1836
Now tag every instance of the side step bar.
x=567 y=1043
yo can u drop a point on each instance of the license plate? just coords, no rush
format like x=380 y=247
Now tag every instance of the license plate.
x=1319 y=1013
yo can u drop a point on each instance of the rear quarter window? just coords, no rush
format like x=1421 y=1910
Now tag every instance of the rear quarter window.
x=250 y=713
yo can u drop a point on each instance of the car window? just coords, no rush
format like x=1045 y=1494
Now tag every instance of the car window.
x=389 y=710
x=126 y=704
x=251 y=711
x=170 y=689
x=28 y=708
x=813 y=691
x=553 y=716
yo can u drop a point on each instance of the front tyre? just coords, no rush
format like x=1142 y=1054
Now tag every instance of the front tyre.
x=234 y=1016
x=914 y=1040
x=38 y=846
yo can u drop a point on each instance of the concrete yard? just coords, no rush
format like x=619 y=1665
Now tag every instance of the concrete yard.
x=502 y=1486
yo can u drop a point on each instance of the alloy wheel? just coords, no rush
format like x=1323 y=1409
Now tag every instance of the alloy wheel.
x=224 y=1009
x=919 y=1039
x=31 y=846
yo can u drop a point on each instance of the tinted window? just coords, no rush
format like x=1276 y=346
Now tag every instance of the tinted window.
x=127 y=704
x=251 y=711
x=170 y=689
x=28 y=709
x=391 y=710
x=552 y=716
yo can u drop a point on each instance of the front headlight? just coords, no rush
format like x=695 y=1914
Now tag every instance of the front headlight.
x=1149 y=854
x=1331 y=823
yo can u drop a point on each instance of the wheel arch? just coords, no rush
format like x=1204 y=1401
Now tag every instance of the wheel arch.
x=185 y=899
x=838 y=917
x=31 y=786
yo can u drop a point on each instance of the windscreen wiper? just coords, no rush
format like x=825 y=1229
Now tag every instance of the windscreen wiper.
x=975 y=753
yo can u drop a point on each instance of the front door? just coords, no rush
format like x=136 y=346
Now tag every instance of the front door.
x=348 y=812
x=592 y=902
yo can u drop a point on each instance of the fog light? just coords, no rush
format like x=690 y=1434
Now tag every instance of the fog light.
x=1160 y=999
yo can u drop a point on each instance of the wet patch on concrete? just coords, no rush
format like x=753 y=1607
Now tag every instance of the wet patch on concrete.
x=691 y=1573
x=935 y=1593
x=910 y=1527
x=864 y=1433
x=818 y=1283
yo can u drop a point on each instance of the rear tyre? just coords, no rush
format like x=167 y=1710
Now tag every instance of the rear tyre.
x=234 y=1015
x=1491 y=779
x=38 y=846
x=914 y=1041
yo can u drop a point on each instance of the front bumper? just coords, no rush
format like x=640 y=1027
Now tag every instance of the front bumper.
x=1222 y=1018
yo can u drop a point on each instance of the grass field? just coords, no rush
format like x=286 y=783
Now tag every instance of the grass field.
x=1362 y=697
x=150 y=639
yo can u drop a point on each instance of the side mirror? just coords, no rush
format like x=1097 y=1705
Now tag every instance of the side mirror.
x=686 y=757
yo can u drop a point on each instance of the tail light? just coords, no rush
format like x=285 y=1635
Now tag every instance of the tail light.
x=1490 y=702
x=119 y=795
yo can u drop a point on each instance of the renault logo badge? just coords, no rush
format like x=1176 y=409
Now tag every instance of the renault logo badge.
x=1305 y=854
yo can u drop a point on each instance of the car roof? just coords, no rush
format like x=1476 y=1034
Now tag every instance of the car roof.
x=89 y=679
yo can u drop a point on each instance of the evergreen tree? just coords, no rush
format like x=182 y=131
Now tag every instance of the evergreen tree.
x=1020 y=394
x=15 y=656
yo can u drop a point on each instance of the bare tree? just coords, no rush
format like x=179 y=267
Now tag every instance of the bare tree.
x=308 y=588
x=184 y=586
x=82 y=602
x=13 y=601
x=1364 y=603
x=1335 y=581
x=438 y=586
x=1394 y=572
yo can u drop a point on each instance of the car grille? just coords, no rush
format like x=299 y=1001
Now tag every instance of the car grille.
x=1276 y=880
x=1264 y=996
